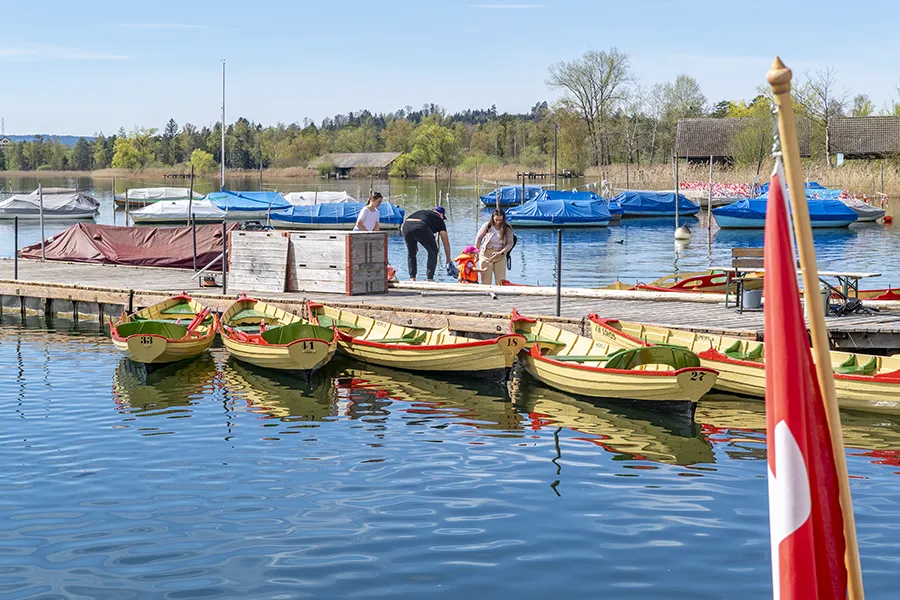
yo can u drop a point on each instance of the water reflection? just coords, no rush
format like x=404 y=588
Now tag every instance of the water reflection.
x=727 y=421
x=629 y=433
x=476 y=404
x=168 y=391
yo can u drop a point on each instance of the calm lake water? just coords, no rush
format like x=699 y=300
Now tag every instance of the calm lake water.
x=215 y=480
x=635 y=250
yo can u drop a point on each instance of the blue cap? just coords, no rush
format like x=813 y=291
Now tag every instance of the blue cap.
x=440 y=210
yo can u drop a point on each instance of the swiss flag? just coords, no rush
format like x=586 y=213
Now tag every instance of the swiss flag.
x=805 y=520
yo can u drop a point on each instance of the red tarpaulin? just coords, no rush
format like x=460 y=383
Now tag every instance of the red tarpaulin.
x=136 y=246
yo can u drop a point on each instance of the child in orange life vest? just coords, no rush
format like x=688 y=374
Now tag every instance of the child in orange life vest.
x=468 y=270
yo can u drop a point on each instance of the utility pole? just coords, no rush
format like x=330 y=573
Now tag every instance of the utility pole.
x=223 y=125
x=555 y=157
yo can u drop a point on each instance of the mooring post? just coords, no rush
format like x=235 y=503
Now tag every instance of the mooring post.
x=224 y=259
x=191 y=210
x=194 y=236
x=15 y=247
x=41 y=200
x=114 y=200
x=558 y=270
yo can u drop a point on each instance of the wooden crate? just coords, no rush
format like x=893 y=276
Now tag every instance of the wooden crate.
x=343 y=262
x=257 y=261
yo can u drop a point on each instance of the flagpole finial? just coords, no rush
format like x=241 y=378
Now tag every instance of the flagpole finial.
x=779 y=77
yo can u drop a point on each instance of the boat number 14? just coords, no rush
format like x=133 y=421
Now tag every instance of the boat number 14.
x=697 y=375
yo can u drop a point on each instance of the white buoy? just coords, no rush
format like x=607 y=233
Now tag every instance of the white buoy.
x=683 y=233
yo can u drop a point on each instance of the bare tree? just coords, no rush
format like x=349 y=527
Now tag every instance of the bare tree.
x=632 y=113
x=594 y=84
x=683 y=99
x=655 y=107
x=862 y=106
x=823 y=102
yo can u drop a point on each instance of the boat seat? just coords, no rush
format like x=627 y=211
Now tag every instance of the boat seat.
x=248 y=313
x=148 y=327
x=285 y=334
x=530 y=338
x=326 y=321
x=734 y=352
x=413 y=337
x=677 y=358
x=575 y=358
x=179 y=309
x=246 y=328
x=852 y=367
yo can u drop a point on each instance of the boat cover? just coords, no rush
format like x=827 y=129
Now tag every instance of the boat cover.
x=58 y=204
x=755 y=208
x=136 y=246
x=614 y=207
x=158 y=193
x=560 y=211
x=663 y=203
x=307 y=198
x=248 y=201
x=179 y=210
x=809 y=185
x=566 y=195
x=512 y=194
x=337 y=212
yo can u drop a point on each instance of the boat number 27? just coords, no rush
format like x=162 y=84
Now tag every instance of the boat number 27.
x=697 y=375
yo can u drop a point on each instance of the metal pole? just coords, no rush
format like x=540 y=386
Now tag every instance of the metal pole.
x=223 y=125
x=882 y=176
x=224 y=259
x=709 y=216
x=126 y=207
x=191 y=212
x=558 y=269
x=41 y=200
x=523 y=189
x=476 y=179
x=555 y=157
x=15 y=247
x=114 y=200
x=194 y=237
x=675 y=171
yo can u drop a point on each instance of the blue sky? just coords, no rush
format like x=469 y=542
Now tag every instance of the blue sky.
x=77 y=69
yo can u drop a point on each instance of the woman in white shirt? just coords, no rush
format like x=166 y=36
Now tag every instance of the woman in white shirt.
x=368 y=219
x=495 y=240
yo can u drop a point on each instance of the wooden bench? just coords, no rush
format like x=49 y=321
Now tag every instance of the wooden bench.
x=744 y=261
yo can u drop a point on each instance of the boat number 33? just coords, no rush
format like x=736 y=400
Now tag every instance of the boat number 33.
x=146 y=340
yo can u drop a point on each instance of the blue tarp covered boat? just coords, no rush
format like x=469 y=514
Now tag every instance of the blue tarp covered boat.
x=511 y=195
x=751 y=214
x=615 y=209
x=334 y=215
x=248 y=205
x=559 y=213
x=809 y=185
x=640 y=203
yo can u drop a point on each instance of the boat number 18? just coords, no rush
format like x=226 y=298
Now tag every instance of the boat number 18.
x=697 y=375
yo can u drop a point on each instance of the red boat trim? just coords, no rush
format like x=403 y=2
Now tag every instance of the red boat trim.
x=606 y=324
x=536 y=353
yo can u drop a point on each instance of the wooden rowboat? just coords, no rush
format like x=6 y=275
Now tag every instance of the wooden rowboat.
x=862 y=381
x=260 y=334
x=698 y=281
x=661 y=377
x=409 y=349
x=175 y=329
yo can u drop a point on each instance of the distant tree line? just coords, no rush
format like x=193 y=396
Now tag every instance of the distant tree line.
x=604 y=115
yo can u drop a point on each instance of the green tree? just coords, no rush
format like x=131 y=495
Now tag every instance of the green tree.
x=398 y=135
x=403 y=166
x=102 y=157
x=134 y=151
x=436 y=146
x=3 y=163
x=167 y=143
x=15 y=159
x=82 y=156
x=862 y=106
x=203 y=162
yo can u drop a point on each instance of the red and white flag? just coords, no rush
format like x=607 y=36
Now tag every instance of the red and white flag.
x=805 y=520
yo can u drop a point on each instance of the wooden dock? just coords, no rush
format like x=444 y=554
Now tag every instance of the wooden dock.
x=98 y=291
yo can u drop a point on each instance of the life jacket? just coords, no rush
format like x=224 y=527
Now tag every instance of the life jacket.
x=466 y=277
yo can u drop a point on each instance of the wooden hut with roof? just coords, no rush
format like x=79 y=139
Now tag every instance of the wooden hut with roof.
x=698 y=139
x=343 y=165
x=864 y=137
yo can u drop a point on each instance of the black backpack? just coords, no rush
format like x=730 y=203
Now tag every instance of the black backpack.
x=509 y=254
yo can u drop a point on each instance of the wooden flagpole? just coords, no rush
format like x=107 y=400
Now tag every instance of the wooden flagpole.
x=779 y=77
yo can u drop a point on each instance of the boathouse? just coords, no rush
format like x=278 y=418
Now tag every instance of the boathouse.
x=864 y=137
x=698 y=139
x=344 y=165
